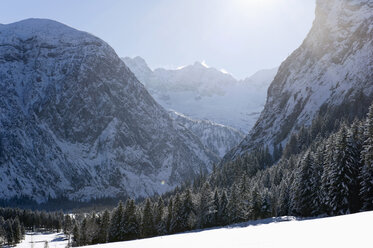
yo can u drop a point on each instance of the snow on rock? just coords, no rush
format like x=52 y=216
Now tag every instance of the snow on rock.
x=342 y=232
x=216 y=137
x=205 y=93
x=75 y=121
x=333 y=65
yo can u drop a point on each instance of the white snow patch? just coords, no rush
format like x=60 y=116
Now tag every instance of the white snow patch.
x=342 y=231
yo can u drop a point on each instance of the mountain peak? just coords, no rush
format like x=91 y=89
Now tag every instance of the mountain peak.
x=200 y=64
x=45 y=30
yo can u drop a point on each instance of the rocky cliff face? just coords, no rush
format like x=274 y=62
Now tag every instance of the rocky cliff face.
x=217 y=138
x=332 y=66
x=76 y=122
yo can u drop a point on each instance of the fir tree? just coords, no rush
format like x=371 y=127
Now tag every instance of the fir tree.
x=131 y=226
x=366 y=192
x=159 y=220
x=205 y=213
x=76 y=236
x=116 y=232
x=17 y=232
x=9 y=232
x=147 y=225
x=302 y=196
x=340 y=177
x=169 y=216
x=104 y=227
x=187 y=211
x=255 y=204
x=223 y=209
x=177 y=224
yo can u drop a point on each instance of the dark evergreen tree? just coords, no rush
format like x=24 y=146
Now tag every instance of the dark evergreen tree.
x=104 y=227
x=9 y=232
x=223 y=209
x=341 y=171
x=159 y=220
x=116 y=232
x=187 y=211
x=17 y=230
x=204 y=207
x=255 y=204
x=302 y=195
x=366 y=176
x=131 y=226
x=76 y=236
x=177 y=224
x=169 y=216
x=147 y=225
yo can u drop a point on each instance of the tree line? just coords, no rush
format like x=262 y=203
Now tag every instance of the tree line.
x=316 y=174
x=15 y=222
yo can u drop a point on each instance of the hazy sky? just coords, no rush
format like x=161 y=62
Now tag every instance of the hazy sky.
x=240 y=36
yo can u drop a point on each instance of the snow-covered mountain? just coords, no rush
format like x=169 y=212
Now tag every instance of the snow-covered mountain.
x=76 y=122
x=216 y=137
x=205 y=93
x=332 y=66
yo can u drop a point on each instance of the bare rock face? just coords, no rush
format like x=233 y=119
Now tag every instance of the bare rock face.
x=76 y=122
x=217 y=138
x=332 y=66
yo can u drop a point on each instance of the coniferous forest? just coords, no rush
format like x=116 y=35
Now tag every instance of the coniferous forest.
x=97 y=147
x=315 y=174
x=324 y=170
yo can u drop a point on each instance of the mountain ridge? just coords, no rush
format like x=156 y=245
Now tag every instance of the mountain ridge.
x=77 y=123
x=333 y=65
x=206 y=93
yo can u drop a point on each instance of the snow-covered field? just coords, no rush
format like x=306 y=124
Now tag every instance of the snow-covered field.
x=37 y=240
x=343 y=231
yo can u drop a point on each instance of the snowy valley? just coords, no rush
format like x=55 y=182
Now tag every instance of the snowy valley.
x=111 y=153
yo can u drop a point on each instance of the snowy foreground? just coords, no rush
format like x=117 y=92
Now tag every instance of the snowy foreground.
x=343 y=231
x=37 y=240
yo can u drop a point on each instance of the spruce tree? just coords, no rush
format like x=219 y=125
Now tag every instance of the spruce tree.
x=187 y=211
x=104 y=227
x=159 y=220
x=204 y=212
x=169 y=216
x=354 y=166
x=76 y=236
x=9 y=232
x=147 y=225
x=366 y=192
x=131 y=226
x=17 y=232
x=255 y=204
x=216 y=207
x=223 y=209
x=340 y=177
x=83 y=232
x=303 y=192
x=177 y=224
x=116 y=229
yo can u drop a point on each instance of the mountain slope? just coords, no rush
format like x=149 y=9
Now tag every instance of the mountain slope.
x=76 y=122
x=216 y=137
x=206 y=93
x=334 y=65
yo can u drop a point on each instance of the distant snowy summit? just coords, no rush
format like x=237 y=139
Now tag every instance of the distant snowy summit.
x=206 y=93
x=76 y=122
